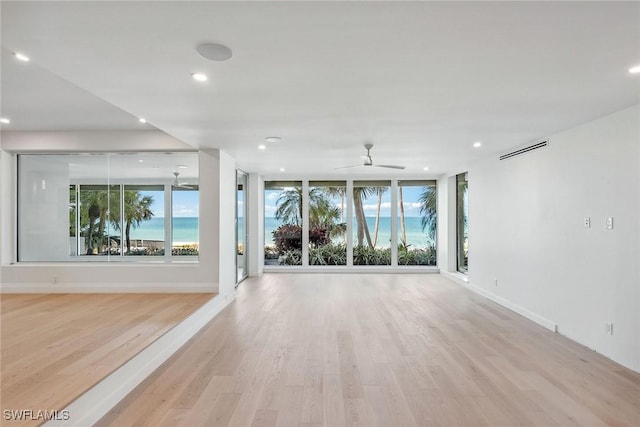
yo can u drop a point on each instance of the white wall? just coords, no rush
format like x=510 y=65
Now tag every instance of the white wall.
x=526 y=230
x=227 y=209
x=255 y=220
x=217 y=210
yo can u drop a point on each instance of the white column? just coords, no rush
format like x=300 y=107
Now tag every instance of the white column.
x=305 y=223
x=349 y=219
x=394 y=222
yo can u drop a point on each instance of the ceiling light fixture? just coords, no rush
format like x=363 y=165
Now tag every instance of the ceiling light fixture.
x=140 y=161
x=426 y=168
x=273 y=139
x=635 y=70
x=199 y=77
x=262 y=147
x=214 y=51
x=477 y=144
x=21 y=56
x=5 y=121
x=142 y=120
x=182 y=166
x=281 y=169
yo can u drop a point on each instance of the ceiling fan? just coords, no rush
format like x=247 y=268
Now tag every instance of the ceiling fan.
x=178 y=184
x=369 y=162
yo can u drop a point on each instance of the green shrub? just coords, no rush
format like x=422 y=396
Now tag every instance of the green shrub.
x=364 y=255
x=407 y=256
x=329 y=254
x=291 y=257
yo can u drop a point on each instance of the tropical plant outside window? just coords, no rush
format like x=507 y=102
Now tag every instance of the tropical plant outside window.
x=417 y=223
x=462 y=220
x=103 y=220
x=283 y=223
x=327 y=223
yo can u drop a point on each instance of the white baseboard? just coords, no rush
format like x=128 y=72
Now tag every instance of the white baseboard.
x=534 y=317
x=101 y=398
x=102 y=288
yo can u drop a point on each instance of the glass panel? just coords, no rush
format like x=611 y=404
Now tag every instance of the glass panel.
x=185 y=220
x=47 y=205
x=327 y=223
x=144 y=220
x=241 y=231
x=416 y=223
x=283 y=223
x=371 y=223
x=462 y=220
x=73 y=227
x=71 y=205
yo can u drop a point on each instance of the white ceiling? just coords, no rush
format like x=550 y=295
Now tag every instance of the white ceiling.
x=421 y=80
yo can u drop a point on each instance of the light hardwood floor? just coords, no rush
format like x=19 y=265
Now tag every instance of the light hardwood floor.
x=55 y=347
x=376 y=349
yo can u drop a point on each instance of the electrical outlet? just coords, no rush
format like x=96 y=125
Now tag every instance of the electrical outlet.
x=609 y=328
x=587 y=222
x=610 y=223
x=55 y=279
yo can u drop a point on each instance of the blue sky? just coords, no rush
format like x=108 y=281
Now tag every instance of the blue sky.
x=410 y=197
x=185 y=203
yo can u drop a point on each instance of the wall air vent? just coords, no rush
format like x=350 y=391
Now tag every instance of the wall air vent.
x=525 y=150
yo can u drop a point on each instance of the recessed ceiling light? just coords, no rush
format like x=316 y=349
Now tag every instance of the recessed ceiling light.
x=182 y=166
x=199 y=77
x=142 y=120
x=426 y=168
x=477 y=144
x=273 y=139
x=21 y=56
x=281 y=169
x=635 y=70
x=262 y=147
x=140 y=161
x=5 y=120
x=214 y=51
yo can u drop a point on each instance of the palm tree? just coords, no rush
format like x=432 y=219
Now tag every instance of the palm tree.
x=289 y=204
x=137 y=208
x=403 y=237
x=359 y=194
x=428 y=205
x=321 y=210
x=379 y=191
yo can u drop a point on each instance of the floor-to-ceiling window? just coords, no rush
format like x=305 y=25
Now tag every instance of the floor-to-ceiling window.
x=345 y=223
x=416 y=222
x=327 y=223
x=107 y=206
x=283 y=222
x=371 y=223
x=462 y=222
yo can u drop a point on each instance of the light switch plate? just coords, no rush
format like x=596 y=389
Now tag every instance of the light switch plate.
x=587 y=222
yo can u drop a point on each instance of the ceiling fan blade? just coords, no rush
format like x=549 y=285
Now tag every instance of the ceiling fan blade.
x=347 y=167
x=389 y=166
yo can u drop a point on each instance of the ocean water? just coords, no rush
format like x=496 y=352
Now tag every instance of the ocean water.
x=185 y=229
x=415 y=236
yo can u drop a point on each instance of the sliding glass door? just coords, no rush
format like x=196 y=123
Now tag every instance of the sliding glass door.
x=241 y=226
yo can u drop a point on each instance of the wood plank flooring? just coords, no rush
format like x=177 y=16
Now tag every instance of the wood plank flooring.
x=378 y=350
x=55 y=347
